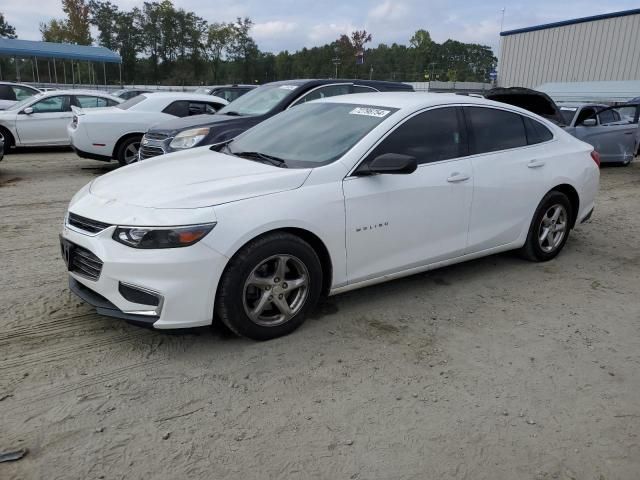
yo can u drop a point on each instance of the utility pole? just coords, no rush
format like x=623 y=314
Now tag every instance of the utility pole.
x=336 y=59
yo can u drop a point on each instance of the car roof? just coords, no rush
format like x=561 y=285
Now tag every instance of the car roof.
x=580 y=104
x=18 y=84
x=183 y=95
x=328 y=81
x=411 y=100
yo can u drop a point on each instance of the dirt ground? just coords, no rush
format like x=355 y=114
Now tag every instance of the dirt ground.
x=494 y=369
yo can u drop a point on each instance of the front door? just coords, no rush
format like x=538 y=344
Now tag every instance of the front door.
x=396 y=222
x=47 y=124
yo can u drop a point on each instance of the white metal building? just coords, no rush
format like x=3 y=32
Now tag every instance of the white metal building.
x=600 y=48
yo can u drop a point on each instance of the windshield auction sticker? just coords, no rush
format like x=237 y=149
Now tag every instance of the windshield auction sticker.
x=289 y=87
x=370 y=112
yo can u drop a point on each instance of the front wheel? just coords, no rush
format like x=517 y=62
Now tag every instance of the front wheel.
x=128 y=151
x=549 y=228
x=269 y=287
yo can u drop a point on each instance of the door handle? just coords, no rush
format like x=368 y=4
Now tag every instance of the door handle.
x=458 y=177
x=535 y=164
x=629 y=133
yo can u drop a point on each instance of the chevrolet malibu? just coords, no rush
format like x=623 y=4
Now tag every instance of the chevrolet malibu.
x=331 y=196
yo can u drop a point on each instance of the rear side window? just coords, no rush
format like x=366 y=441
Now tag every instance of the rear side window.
x=177 y=109
x=536 y=132
x=495 y=130
x=85 y=101
x=429 y=137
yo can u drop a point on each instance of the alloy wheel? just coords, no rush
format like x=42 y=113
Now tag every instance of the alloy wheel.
x=276 y=290
x=553 y=228
x=131 y=153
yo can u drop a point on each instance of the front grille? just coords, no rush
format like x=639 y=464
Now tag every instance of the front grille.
x=156 y=136
x=86 y=224
x=148 y=151
x=85 y=263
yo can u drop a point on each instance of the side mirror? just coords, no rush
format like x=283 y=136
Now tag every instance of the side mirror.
x=589 y=122
x=390 y=163
x=28 y=111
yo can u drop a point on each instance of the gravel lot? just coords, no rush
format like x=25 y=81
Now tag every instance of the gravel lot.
x=494 y=369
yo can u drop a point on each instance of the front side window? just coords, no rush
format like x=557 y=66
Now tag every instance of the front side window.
x=494 y=130
x=23 y=92
x=86 y=101
x=430 y=136
x=310 y=135
x=363 y=89
x=608 y=116
x=52 y=105
x=324 y=92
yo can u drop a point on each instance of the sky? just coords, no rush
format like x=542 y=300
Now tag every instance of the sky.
x=293 y=24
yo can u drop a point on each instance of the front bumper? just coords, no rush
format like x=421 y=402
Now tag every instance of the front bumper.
x=185 y=279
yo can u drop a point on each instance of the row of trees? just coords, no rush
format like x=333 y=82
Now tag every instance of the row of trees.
x=160 y=43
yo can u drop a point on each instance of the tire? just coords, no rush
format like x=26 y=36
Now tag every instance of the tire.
x=253 y=283
x=8 y=139
x=537 y=250
x=124 y=155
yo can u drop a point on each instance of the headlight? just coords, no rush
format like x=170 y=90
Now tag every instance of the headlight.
x=161 y=237
x=189 y=138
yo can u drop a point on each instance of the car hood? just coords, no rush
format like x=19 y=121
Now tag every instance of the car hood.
x=193 y=179
x=173 y=126
x=532 y=100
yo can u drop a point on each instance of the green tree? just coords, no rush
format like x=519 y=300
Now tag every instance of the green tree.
x=6 y=30
x=219 y=40
x=75 y=28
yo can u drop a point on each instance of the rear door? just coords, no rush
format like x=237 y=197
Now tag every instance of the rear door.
x=612 y=132
x=47 y=125
x=510 y=152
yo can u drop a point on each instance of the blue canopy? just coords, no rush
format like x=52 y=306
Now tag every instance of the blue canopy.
x=30 y=48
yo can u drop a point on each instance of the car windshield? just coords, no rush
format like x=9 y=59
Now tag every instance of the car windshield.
x=567 y=114
x=309 y=135
x=258 y=101
x=26 y=101
x=131 y=102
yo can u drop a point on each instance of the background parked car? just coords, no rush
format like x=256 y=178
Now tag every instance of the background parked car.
x=249 y=110
x=127 y=93
x=42 y=119
x=228 y=92
x=611 y=130
x=12 y=93
x=116 y=132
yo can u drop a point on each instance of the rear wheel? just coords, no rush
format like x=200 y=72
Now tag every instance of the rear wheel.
x=128 y=151
x=269 y=287
x=549 y=228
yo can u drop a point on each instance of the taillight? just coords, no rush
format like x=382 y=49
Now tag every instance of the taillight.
x=596 y=158
x=74 y=121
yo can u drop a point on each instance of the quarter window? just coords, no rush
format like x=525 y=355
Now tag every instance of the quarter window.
x=495 y=130
x=430 y=136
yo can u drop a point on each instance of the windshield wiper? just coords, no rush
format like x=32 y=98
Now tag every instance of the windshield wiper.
x=278 y=162
x=233 y=113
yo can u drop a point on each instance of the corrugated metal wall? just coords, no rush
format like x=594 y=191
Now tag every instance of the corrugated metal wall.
x=607 y=49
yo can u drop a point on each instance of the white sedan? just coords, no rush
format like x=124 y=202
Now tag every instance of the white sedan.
x=326 y=197
x=116 y=132
x=41 y=120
